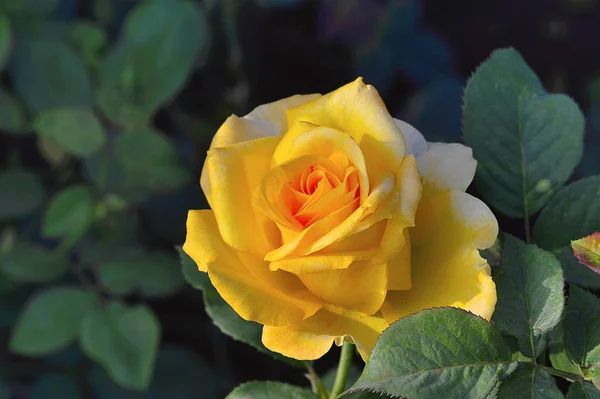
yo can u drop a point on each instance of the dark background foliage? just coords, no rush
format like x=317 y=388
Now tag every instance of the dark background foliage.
x=231 y=56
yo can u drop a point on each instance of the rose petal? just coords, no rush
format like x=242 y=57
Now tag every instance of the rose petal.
x=446 y=167
x=358 y=110
x=362 y=286
x=244 y=282
x=328 y=323
x=235 y=172
x=415 y=142
x=338 y=255
x=296 y=344
x=447 y=269
x=270 y=119
x=399 y=266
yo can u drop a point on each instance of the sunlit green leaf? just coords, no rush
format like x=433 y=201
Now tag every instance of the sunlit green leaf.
x=530 y=294
x=444 y=352
x=527 y=142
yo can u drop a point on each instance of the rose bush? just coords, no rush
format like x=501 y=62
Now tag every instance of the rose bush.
x=330 y=220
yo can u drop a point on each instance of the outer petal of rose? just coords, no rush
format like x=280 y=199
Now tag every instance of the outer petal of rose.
x=321 y=234
x=265 y=120
x=271 y=118
x=362 y=286
x=330 y=322
x=234 y=173
x=244 y=282
x=324 y=141
x=296 y=344
x=358 y=110
x=446 y=167
x=415 y=142
x=446 y=267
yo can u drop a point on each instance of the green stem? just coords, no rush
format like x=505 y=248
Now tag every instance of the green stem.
x=560 y=373
x=317 y=384
x=343 y=368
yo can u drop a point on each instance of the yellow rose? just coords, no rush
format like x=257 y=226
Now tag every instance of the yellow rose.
x=330 y=220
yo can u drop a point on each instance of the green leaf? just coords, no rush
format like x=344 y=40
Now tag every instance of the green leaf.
x=576 y=209
x=47 y=74
x=191 y=274
x=159 y=45
x=75 y=129
x=575 y=272
x=70 y=214
x=12 y=114
x=222 y=315
x=149 y=160
x=531 y=382
x=5 y=39
x=558 y=356
x=178 y=373
x=583 y=390
x=530 y=294
x=527 y=142
x=152 y=274
x=32 y=7
x=89 y=40
x=55 y=386
x=444 y=352
x=50 y=320
x=124 y=340
x=582 y=327
x=30 y=263
x=269 y=390
x=21 y=193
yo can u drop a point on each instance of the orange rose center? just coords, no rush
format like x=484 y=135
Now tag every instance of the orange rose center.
x=322 y=189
